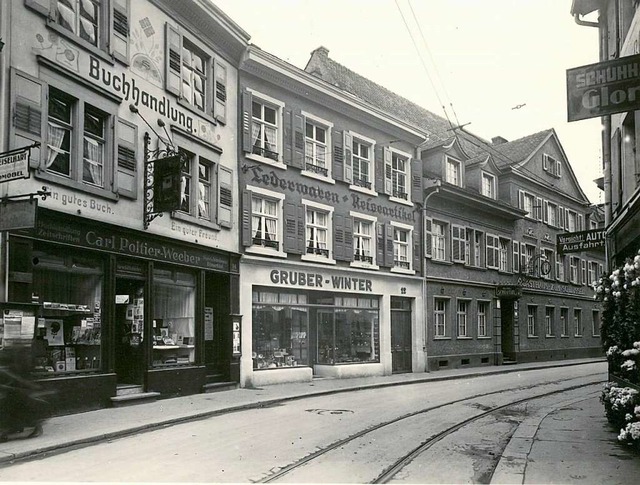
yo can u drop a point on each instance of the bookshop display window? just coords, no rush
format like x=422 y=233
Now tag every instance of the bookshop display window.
x=68 y=337
x=301 y=328
x=349 y=332
x=280 y=330
x=174 y=309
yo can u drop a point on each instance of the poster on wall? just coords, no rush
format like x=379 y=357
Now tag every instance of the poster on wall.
x=208 y=323
x=54 y=332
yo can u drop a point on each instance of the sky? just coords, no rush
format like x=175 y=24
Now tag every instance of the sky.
x=496 y=67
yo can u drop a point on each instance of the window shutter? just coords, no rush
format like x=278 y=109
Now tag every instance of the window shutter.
x=43 y=7
x=120 y=15
x=428 y=237
x=521 y=199
x=417 y=257
x=343 y=238
x=225 y=196
x=538 y=208
x=247 y=142
x=246 y=218
x=545 y=212
x=416 y=180
x=380 y=244
x=583 y=268
x=298 y=156
x=292 y=243
x=388 y=245
x=173 y=60
x=545 y=162
x=126 y=152
x=456 y=254
x=559 y=216
x=28 y=103
x=338 y=155
x=580 y=222
x=388 y=183
x=566 y=219
x=220 y=100
x=516 y=257
x=491 y=263
x=523 y=258
x=348 y=157
x=288 y=136
x=379 y=169
x=559 y=168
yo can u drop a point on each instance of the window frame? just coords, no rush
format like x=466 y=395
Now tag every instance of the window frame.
x=321 y=173
x=532 y=324
x=453 y=171
x=440 y=317
x=493 y=193
x=367 y=186
x=491 y=249
x=564 y=321
x=409 y=230
x=395 y=195
x=486 y=316
x=329 y=211
x=266 y=194
x=577 y=322
x=278 y=106
x=549 y=319
x=462 y=318
x=439 y=241
x=357 y=216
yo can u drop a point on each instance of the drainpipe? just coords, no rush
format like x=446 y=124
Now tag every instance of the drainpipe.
x=432 y=187
x=584 y=23
x=5 y=62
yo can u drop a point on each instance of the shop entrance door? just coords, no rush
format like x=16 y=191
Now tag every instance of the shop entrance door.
x=401 y=355
x=129 y=362
x=217 y=329
x=508 y=333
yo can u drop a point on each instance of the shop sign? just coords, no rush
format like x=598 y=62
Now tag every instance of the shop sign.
x=167 y=179
x=603 y=88
x=14 y=165
x=18 y=214
x=574 y=242
x=508 y=291
x=117 y=241
x=553 y=287
x=304 y=279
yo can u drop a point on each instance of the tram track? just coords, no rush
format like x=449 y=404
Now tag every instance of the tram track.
x=392 y=470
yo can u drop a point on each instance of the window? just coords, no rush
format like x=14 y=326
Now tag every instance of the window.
x=551 y=212
x=482 y=318
x=546 y=262
x=458 y=244
x=194 y=77
x=551 y=165
x=516 y=256
x=264 y=128
x=477 y=249
x=527 y=263
x=595 y=325
x=84 y=164
x=592 y=275
x=461 y=318
x=363 y=240
x=573 y=270
x=577 y=322
x=531 y=320
x=439 y=241
x=527 y=203
x=583 y=272
x=488 y=185
x=316 y=149
x=548 y=320
x=440 y=317
x=473 y=245
x=265 y=214
x=453 y=174
x=503 y=257
x=401 y=248
x=317 y=232
x=572 y=220
x=362 y=164
x=82 y=17
x=493 y=249
x=399 y=171
x=564 y=321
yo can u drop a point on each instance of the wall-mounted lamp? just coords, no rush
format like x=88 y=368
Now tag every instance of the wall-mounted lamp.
x=464 y=292
x=442 y=290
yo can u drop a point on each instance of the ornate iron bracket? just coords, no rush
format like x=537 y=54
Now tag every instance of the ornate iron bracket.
x=536 y=267
x=43 y=194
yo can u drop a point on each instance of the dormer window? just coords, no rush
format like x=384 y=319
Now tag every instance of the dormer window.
x=453 y=173
x=488 y=185
x=551 y=165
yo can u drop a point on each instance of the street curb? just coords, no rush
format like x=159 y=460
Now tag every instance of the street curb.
x=80 y=443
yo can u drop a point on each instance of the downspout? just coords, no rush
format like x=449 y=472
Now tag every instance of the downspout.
x=432 y=189
x=584 y=23
x=5 y=62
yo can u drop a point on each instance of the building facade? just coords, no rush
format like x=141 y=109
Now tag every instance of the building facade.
x=330 y=280
x=105 y=94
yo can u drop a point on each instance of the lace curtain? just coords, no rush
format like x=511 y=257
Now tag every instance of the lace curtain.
x=55 y=139
x=93 y=162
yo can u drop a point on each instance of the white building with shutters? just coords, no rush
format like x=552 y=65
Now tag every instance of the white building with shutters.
x=138 y=274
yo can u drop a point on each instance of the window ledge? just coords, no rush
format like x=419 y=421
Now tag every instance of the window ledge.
x=442 y=338
x=464 y=338
x=265 y=160
x=505 y=272
x=402 y=271
x=532 y=336
x=82 y=187
x=316 y=176
x=441 y=261
x=549 y=336
x=266 y=252
x=317 y=259
x=194 y=220
x=357 y=188
x=484 y=337
x=357 y=264
x=474 y=268
x=400 y=201
x=202 y=114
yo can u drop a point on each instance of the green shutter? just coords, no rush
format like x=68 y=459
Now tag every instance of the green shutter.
x=28 y=114
x=173 y=60
x=120 y=17
x=220 y=102
x=225 y=196
x=127 y=160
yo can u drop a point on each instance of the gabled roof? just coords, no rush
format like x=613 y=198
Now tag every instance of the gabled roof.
x=517 y=151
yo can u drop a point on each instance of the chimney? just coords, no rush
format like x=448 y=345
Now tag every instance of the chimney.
x=498 y=140
x=321 y=51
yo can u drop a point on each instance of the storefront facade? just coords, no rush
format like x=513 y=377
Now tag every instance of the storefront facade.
x=306 y=321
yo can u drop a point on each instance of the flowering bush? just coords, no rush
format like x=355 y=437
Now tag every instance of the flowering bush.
x=619 y=293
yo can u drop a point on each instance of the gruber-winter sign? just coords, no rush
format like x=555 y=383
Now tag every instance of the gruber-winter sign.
x=603 y=88
x=574 y=242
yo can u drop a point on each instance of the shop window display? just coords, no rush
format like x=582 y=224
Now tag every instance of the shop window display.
x=300 y=329
x=68 y=335
x=174 y=296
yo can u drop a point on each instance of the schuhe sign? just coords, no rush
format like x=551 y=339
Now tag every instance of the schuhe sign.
x=574 y=242
x=603 y=88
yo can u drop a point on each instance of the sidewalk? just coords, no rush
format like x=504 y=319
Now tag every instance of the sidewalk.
x=76 y=430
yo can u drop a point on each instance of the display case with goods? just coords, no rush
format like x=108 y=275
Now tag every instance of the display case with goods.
x=172 y=342
x=67 y=338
